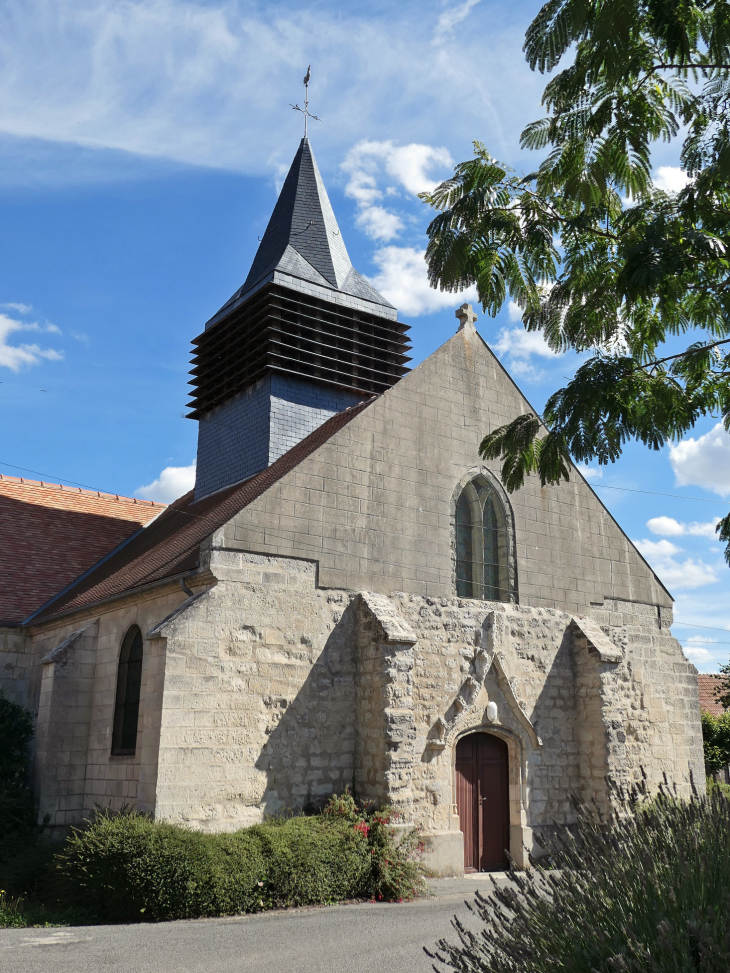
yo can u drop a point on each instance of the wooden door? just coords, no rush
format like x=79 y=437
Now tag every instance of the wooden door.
x=482 y=799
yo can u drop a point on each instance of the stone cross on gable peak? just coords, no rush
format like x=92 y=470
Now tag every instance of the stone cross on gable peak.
x=466 y=317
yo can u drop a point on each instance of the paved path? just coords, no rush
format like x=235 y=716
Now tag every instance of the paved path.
x=365 y=938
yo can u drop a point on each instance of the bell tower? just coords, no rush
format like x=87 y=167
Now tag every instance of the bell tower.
x=306 y=336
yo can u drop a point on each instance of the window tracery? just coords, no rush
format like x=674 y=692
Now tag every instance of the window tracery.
x=483 y=543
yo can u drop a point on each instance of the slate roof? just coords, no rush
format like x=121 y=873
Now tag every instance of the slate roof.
x=170 y=545
x=303 y=241
x=708 y=684
x=50 y=534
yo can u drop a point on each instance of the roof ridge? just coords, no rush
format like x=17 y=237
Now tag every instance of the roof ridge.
x=77 y=489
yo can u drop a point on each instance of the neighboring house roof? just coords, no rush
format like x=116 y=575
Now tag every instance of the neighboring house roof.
x=170 y=545
x=709 y=684
x=303 y=245
x=50 y=534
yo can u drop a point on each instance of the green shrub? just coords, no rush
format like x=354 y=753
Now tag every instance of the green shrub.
x=17 y=810
x=125 y=867
x=11 y=912
x=715 y=741
x=647 y=892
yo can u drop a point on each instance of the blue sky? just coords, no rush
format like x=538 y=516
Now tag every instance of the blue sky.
x=141 y=147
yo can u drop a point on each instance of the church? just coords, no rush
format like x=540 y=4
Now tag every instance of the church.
x=347 y=598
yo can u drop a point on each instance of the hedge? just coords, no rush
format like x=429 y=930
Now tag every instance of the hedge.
x=125 y=867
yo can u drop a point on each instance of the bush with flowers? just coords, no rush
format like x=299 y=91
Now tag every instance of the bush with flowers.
x=125 y=867
x=395 y=872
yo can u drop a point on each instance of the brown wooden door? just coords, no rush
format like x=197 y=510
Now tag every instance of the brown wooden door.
x=482 y=799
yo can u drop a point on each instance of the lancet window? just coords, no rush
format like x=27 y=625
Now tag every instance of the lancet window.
x=129 y=683
x=484 y=543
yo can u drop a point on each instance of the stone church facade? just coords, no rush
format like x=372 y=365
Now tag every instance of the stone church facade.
x=350 y=598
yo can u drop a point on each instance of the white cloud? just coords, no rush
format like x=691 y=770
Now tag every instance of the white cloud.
x=451 y=17
x=704 y=461
x=669 y=527
x=19 y=308
x=590 y=472
x=689 y=573
x=658 y=549
x=370 y=167
x=518 y=343
x=379 y=223
x=402 y=279
x=182 y=79
x=671 y=179
x=518 y=347
x=19 y=356
x=515 y=311
x=695 y=653
x=172 y=483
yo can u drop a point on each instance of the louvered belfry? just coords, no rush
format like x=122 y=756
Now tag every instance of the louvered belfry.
x=304 y=337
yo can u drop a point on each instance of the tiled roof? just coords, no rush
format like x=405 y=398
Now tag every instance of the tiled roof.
x=170 y=545
x=50 y=534
x=709 y=684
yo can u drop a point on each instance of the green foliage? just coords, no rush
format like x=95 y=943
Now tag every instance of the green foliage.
x=719 y=786
x=647 y=892
x=716 y=741
x=589 y=272
x=723 y=693
x=11 y=912
x=124 y=867
x=17 y=810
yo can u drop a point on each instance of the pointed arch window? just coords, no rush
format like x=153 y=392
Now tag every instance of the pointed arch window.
x=484 y=543
x=129 y=684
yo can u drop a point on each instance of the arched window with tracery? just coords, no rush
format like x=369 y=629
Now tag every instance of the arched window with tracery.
x=129 y=683
x=484 y=542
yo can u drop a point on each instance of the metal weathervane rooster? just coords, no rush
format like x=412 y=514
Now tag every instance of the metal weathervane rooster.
x=305 y=111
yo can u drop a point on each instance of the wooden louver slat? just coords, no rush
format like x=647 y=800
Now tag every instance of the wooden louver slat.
x=281 y=330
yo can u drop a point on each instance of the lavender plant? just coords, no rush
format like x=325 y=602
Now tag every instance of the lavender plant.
x=647 y=891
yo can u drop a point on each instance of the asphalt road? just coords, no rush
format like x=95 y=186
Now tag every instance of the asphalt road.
x=364 y=938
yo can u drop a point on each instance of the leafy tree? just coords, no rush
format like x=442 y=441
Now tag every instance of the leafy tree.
x=722 y=694
x=17 y=811
x=716 y=741
x=598 y=258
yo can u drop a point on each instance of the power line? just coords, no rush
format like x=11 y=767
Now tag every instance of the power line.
x=50 y=478
x=702 y=644
x=652 y=493
x=710 y=628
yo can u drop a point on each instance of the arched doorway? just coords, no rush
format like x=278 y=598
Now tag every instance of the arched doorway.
x=482 y=799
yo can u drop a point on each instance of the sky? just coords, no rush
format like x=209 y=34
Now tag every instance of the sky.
x=142 y=145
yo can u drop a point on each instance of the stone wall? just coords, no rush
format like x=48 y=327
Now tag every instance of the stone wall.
x=374 y=505
x=75 y=665
x=16 y=665
x=265 y=692
x=259 y=695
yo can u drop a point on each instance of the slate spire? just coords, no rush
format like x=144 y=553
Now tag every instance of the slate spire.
x=303 y=220
x=303 y=245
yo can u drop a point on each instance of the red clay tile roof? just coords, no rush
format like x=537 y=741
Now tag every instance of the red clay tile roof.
x=708 y=683
x=170 y=545
x=50 y=534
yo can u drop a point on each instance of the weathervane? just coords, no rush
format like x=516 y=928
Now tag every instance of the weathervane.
x=305 y=111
